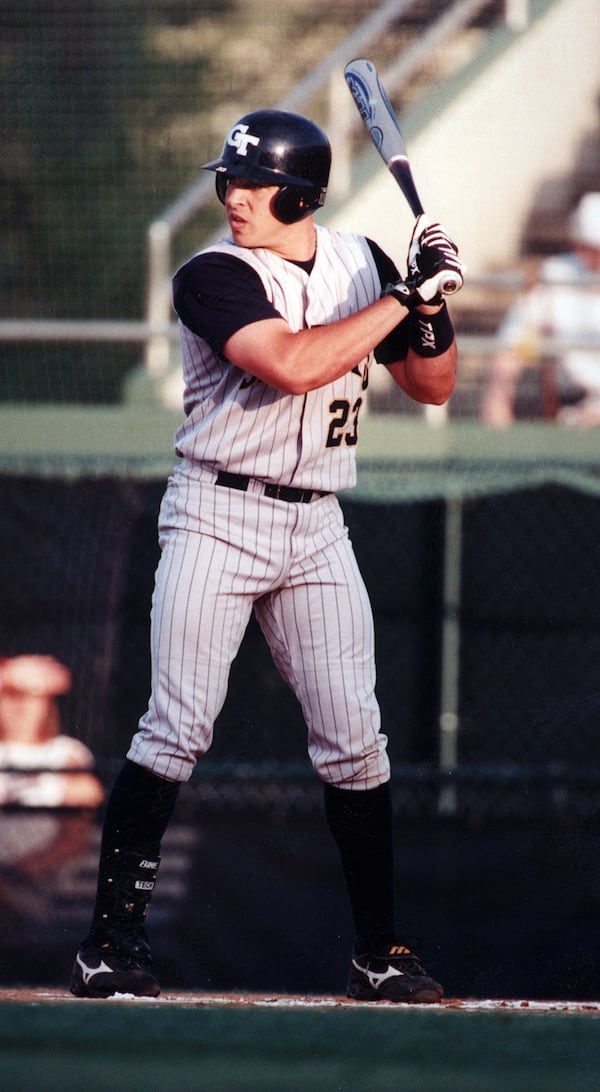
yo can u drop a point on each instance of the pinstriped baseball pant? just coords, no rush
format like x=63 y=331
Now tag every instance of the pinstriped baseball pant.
x=224 y=554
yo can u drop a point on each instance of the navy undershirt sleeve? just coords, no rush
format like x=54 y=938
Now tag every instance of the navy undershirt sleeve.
x=217 y=294
x=395 y=346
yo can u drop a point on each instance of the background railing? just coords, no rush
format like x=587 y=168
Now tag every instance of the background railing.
x=342 y=123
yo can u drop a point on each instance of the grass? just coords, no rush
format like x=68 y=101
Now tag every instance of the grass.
x=94 y=1047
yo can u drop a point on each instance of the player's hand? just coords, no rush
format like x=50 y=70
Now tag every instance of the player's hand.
x=434 y=268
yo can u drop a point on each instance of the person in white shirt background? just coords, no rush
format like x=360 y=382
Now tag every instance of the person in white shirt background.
x=49 y=791
x=563 y=304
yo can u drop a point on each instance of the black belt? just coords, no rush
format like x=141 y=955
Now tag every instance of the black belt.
x=276 y=492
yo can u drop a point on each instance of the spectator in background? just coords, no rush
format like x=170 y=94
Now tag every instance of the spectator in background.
x=39 y=766
x=564 y=303
x=48 y=790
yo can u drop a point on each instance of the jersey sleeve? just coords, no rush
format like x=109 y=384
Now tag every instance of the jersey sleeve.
x=395 y=346
x=215 y=295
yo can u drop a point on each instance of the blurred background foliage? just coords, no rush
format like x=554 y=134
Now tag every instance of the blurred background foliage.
x=109 y=109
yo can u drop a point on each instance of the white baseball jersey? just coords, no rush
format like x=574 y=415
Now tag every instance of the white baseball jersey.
x=228 y=549
x=238 y=423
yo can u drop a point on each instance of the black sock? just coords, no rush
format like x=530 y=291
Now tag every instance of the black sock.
x=361 y=824
x=138 y=811
x=137 y=815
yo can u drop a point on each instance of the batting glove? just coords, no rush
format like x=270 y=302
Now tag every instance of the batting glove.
x=434 y=268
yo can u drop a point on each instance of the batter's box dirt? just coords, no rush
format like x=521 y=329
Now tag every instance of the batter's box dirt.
x=46 y=995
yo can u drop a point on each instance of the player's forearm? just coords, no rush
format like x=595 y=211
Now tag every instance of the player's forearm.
x=324 y=353
x=297 y=362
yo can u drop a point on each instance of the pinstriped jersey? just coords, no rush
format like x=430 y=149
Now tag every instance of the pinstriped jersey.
x=237 y=422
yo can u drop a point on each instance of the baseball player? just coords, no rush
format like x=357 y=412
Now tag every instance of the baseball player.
x=280 y=324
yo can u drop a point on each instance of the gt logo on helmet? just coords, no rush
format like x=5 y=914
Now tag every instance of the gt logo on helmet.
x=281 y=149
x=240 y=138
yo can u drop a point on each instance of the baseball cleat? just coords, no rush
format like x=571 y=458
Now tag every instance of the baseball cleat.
x=392 y=974
x=119 y=964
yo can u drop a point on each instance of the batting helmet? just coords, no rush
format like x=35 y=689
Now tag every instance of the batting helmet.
x=277 y=148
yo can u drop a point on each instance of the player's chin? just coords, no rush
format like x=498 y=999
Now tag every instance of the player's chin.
x=242 y=238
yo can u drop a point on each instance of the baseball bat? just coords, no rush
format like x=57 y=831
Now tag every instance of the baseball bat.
x=382 y=126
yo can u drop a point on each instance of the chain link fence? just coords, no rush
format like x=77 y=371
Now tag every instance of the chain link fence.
x=77 y=580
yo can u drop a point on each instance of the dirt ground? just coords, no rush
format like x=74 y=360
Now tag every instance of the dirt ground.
x=45 y=995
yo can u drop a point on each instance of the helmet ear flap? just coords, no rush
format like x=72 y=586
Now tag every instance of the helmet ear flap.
x=287 y=205
x=291 y=204
x=221 y=185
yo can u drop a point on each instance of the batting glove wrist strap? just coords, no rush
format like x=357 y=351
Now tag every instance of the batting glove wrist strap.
x=406 y=294
x=430 y=335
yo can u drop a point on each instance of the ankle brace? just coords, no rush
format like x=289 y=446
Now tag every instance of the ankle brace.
x=126 y=882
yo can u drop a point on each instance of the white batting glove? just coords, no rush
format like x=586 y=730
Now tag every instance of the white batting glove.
x=434 y=267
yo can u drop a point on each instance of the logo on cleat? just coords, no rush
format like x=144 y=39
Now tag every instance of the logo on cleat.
x=376 y=980
x=88 y=973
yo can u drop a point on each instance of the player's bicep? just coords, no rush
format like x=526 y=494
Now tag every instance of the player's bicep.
x=429 y=381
